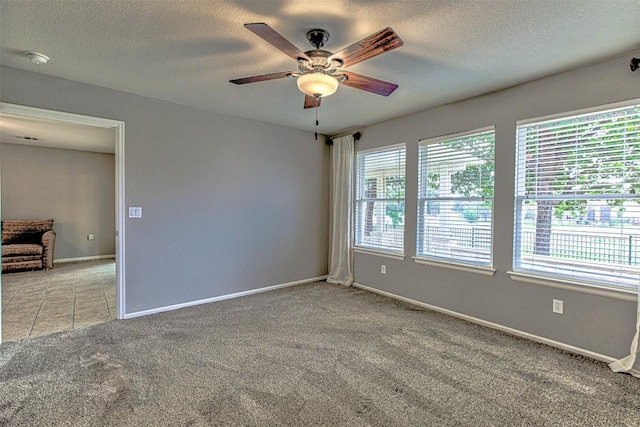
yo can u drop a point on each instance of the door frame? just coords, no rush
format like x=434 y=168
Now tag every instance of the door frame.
x=118 y=126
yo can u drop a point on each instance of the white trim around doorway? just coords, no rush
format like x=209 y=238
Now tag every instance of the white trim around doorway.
x=118 y=126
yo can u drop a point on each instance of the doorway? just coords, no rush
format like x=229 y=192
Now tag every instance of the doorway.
x=117 y=135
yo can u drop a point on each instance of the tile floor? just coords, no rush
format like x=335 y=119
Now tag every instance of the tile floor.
x=70 y=295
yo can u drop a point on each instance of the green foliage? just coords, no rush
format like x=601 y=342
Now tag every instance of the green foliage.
x=581 y=159
x=394 y=188
x=573 y=207
x=433 y=183
x=476 y=180
x=395 y=211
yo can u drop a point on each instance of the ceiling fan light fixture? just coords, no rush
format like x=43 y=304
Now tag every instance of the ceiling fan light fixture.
x=317 y=84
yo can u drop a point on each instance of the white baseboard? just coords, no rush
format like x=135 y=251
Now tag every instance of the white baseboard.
x=220 y=298
x=512 y=331
x=83 y=258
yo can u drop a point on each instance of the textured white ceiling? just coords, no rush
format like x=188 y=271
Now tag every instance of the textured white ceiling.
x=187 y=51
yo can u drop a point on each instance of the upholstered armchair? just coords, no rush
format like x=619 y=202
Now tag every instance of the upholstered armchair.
x=27 y=244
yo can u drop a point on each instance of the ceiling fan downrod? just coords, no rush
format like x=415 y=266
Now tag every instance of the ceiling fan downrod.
x=318 y=37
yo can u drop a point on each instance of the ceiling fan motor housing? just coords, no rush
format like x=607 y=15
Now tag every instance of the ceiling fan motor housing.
x=319 y=62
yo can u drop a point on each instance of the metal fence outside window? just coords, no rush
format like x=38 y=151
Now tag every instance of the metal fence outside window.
x=612 y=249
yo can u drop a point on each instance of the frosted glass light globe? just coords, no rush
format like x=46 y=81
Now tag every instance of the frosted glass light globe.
x=317 y=84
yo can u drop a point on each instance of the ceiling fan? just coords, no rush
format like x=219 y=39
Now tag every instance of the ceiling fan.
x=321 y=72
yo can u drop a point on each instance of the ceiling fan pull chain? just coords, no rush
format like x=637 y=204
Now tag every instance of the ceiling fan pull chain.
x=317 y=122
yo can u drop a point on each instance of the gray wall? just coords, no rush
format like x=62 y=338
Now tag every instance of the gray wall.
x=600 y=324
x=229 y=204
x=75 y=188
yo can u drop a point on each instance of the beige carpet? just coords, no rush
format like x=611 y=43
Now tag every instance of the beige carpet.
x=314 y=354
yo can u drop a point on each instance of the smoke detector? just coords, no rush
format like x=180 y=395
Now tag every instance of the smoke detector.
x=37 y=58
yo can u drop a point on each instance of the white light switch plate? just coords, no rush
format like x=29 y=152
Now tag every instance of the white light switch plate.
x=135 y=212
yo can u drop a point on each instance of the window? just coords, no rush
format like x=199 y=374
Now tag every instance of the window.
x=380 y=185
x=455 y=198
x=577 y=214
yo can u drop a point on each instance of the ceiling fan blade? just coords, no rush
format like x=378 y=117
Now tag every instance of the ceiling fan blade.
x=270 y=35
x=262 y=78
x=311 y=101
x=368 y=83
x=374 y=45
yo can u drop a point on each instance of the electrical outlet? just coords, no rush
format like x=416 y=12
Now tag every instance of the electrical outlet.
x=383 y=269
x=89 y=236
x=558 y=306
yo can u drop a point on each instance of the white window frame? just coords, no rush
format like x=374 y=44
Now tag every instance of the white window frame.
x=424 y=256
x=360 y=199
x=536 y=271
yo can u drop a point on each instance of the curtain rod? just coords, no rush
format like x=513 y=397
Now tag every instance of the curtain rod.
x=356 y=136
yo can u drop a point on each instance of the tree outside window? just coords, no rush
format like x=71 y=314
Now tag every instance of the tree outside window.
x=577 y=180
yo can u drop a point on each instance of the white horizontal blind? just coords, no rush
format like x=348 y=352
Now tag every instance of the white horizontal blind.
x=455 y=198
x=380 y=193
x=577 y=204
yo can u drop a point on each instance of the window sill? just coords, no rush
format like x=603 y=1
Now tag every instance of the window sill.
x=456 y=266
x=391 y=255
x=588 y=288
